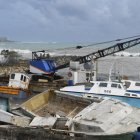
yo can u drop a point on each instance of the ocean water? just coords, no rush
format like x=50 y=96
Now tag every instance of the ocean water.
x=125 y=63
x=55 y=48
x=26 y=48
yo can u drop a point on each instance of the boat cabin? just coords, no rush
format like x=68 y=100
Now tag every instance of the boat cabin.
x=132 y=85
x=106 y=87
x=19 y=80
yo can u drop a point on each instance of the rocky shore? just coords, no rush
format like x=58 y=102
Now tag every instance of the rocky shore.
x=23 y=65
x=20 y=66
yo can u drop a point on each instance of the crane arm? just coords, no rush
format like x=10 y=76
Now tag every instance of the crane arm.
x=104 y=52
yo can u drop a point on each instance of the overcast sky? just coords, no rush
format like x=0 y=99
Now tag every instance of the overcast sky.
x=69 y=20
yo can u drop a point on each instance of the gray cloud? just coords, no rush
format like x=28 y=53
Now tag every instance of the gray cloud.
x=69 y=20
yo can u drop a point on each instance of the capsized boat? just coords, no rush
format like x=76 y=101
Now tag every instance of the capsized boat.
x=127 y=91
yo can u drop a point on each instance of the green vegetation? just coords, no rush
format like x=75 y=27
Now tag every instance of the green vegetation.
x=11 y=57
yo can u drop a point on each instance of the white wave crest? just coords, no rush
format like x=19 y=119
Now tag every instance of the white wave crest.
x=21 y=51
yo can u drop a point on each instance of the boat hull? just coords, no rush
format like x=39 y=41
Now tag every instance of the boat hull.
x=130 y=100
x=43 y=134
x=10 y=92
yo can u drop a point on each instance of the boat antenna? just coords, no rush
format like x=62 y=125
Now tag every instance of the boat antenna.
x=110 y=71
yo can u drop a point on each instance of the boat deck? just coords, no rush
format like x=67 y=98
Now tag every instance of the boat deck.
x=51 y=103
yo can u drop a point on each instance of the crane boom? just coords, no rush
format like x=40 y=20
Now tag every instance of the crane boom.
x=104 y=52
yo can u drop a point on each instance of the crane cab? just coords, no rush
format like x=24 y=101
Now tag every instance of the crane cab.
x=42 y=66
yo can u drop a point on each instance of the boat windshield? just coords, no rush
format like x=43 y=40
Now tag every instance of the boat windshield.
x=12 y=76
x=103 y=85
x=137 y=84
x=88 y=86
x=127 y=84
x=114 y=85
x=119 y=86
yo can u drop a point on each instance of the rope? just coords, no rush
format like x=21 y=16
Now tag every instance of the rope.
x=116 y=40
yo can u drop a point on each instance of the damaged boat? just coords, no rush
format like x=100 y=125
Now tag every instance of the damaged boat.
x=17 y=86
x=65 y=116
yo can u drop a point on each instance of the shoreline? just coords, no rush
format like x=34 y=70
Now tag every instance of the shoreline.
x=127 y=66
